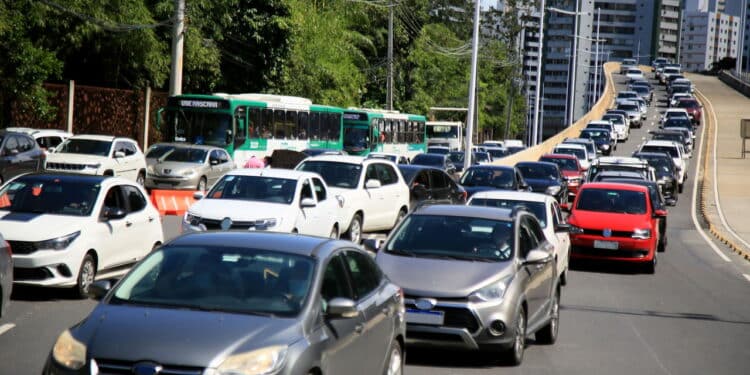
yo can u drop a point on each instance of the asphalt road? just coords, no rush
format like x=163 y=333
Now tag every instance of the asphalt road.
x=691 y=317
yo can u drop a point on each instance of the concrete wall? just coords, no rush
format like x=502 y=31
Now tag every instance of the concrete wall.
x=735 y=83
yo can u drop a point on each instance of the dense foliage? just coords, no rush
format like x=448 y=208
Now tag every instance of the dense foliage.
x=331 y=51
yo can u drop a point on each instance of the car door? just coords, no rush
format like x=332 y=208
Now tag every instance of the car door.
x=378 y=309
x=375 y=205
x=215 y=170
x=440 y=188
x=113 y=248
x=28 y=154
x=344 y=346
x=391 y=191
x=328 y=207
x=311 y=219
x=139 y=223
x=9 y=163
x=563 y=238
x=540 y=276
x=121 y=163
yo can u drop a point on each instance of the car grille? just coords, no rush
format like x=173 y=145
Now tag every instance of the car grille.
x=112 y=367
x=66 y=166
x=31 y=274
x=455 y=317
x=211 y=224
x=615 y=233
x=22 y=247
x=635 y=254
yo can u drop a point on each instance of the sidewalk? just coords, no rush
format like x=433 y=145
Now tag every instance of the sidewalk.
x=727 y=106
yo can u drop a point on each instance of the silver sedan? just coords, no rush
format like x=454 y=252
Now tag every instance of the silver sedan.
x=187 y=167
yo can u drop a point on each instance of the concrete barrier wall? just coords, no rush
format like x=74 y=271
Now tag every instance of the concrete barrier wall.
x=735 y=82
x=596 y=113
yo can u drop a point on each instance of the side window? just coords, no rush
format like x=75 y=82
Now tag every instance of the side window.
x=223 y=157
x=387 y=174
x=11 y=146
x=214 y=157
x=335 y=281
x=306 y=190
x=422 y=179
x=302 y=125
x=129 y=149
x=438 y=180
x=371 y=173
x=528 y=239
x=556 y=215
x=536 y=231
x=364 y=273
x=114 y=199
x=314 y=126
x=253 y=124
x=320 y=189
x=25 y=144
x=135 y=199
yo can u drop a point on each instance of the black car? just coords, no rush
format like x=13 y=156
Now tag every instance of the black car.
x=492 y=177
x=19 y=154
x=679 y=123
x=601 y=137
x=672 y=135
x=431 y=185
x=544 y=177
x=440 y=161
x=659 y=204
x=666 y=173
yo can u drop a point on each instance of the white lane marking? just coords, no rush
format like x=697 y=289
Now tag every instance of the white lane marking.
x=6 y=327
x=715 y=175
x=746 y=276
x=693 y=205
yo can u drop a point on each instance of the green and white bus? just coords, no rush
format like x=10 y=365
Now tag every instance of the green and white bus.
x=374 y=130
x=251 y=124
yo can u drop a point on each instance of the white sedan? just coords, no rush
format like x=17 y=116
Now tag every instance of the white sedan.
x=65 y=230
x=545 y=208
x=634 y=73
x=277 y=200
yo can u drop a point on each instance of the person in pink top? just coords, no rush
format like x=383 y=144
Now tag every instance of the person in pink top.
x=254 y=162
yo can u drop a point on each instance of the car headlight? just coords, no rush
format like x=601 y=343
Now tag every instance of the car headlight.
x=257 y=362
x=575 y=230
x=188 y=173
x=266 y=223
x=69 y=352
x=491 y=292
x=93 y=166
x=641 y=234
x=192 y=219
x=553 y=190
x=59 y=243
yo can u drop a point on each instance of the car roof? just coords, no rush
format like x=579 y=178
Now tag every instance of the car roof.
x=491 y=213
x=576 y=141
x=187 y=145
x=613 y=186
x=676 y=110
x=273 y=173
x=647 y=183
x=513 y=195
x=416 y=167
x=659 y=142
x=559 y=156
x=624 y=160
x=572 y=145
x=492 y=167
x=383 y=154
x=348 y=159
x=628 y=92
x=651 y=154
x=281 y=242
x=599 y=122
x=98 y=137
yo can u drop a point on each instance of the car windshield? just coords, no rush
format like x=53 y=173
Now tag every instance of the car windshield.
x=157 y=151
x=672 y=151
x=453 y=237
x=438 y=150
x=675 y=114
x=218 y=278
x=456 y=157
x=628 y=107
x=687 y=104
x=678 y=123
x=626 y=95
x=538 y=171
x=497 y=153
x=335 y=174
x=494 y=177
x=430 y=160
x=669 y=137
x=661 y=165
x=563 y=163
x=597 y=135
x=84 y=146
x=482 y=156
x=614 y=119
x=392 y=158
x=49 y=195
x=186 y=155
x=612 y=200
x=536 y=208
x=641 y=89
x=577 y=152
x=254 y=188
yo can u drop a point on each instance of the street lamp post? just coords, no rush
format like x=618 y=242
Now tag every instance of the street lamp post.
x=535 y=130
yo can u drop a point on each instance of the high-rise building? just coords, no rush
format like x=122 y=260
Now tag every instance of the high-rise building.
x=708 y=37
x=665 y=40
x=730 y=7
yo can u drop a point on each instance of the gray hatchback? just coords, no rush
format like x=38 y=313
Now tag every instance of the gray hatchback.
x=474 y=278
x=225 y=303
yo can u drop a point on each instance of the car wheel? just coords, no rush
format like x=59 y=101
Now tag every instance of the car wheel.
x=202 y=184
x=650 y=267
x=141 y=179
x=334 y=233
x=395 y=360
x=86 y=276
x=548 y=334
x=400 y=216
x=514 y=355
x=354 y=233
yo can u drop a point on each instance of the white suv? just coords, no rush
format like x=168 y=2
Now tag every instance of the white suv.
x=278 y=200
x=69 y=228
x=373 y=193
x=99 y=155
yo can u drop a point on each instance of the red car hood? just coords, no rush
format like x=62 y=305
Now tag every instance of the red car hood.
x=607 y=220
x=571 y=174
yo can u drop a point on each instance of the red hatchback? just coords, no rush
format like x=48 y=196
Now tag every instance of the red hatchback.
x=617 y=222
x=693 y=108
x=570 y=168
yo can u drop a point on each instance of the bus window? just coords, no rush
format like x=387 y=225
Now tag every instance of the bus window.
x=314 y=126
x=302 y=125
x=336 y=129
x=420 y=132
x=266 y=124
x=290 y=125
x=278 y=124
x=328 y=133
x=253 y=122
x=240 y=117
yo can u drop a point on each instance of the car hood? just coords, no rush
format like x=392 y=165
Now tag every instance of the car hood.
x=23 y=226
x=239 y=210
x=75 y=158
x=571 y=174
x=176 y=167
x=440 y=278
x=184 y=337
x=608 y=220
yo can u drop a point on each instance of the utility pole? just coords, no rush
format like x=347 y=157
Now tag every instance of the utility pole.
x=596 y=59
x=472 y=90
x=178 y=37
x=389 y=84
x=510 y=109
x=538 y=94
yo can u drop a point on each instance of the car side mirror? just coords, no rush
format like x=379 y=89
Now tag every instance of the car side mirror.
x=99 y=289
x=660 y=213
x=307 y=202
x=198 y=195
x=341 y=308
x=371 y=244
x=119 y=154
x=214 y=161
x=372 y=184
x=537 y=257
x=114 y=213
x=562 y=228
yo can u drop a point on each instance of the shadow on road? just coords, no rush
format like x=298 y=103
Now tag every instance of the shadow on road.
x=604 y=266
x=35 y=294
x=452 y=358
x=651 y=313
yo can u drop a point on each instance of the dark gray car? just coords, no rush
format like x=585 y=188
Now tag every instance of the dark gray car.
x=6 y=275
x=19 y=154
x=474 y=278
x=242 y=303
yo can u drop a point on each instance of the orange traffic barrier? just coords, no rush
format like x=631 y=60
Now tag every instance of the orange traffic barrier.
x=172 y=202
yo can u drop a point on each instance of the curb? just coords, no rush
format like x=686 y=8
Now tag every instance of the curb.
x=704 y=188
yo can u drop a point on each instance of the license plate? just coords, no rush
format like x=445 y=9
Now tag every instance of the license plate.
x=609 y=245
x=435 y=318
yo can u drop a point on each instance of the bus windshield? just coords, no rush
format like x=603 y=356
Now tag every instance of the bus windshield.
x=355 y=138
x=441 y=131
x=202 y=128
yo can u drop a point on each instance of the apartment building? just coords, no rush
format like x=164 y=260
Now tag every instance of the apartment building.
x=707 y=37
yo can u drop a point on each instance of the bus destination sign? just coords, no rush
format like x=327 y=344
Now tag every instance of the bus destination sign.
x=199 y=103
x=355 y=116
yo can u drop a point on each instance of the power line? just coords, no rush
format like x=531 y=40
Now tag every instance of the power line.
x=106 y=24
